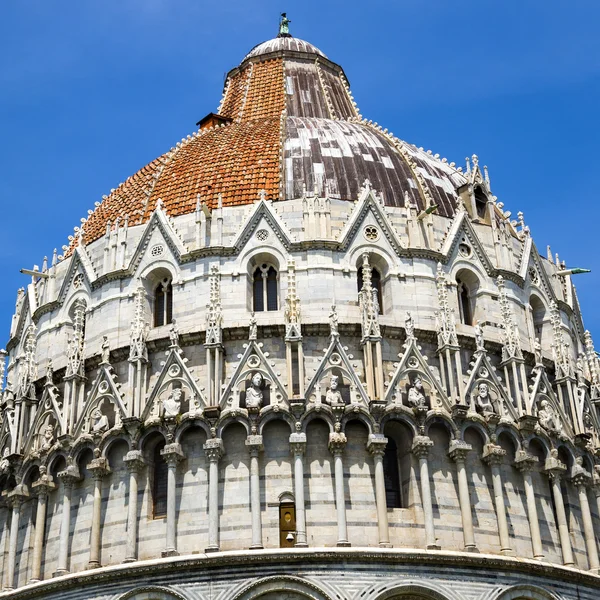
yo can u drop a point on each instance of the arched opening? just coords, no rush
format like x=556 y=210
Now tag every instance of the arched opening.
x=480 y=202
x=537 y=316
x=160 y=473
x=397 y=465
x=467 y=285
x=163 y=302
x=375 y=284
x=265 y=282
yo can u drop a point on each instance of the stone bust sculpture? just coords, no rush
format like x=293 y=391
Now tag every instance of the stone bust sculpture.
x=99 y=421
x=172 y=405
x=548 y=418
x=416 y=397
x=48 y=439
x=333 y=395
x=254 y=395
x=483 y=403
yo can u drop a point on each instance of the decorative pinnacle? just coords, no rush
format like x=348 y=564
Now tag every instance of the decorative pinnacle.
x=284 y=26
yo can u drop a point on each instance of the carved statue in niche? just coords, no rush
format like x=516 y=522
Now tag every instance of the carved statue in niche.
x=409 y=325
x=174 y=334
x=4 y=462
x=333 y=320
x=172 y=404
x=99 y=421
x=548 y=418
x=105 y=350
x=537 y=351
x=48 y=437
x=416 y=396
x=253 y=329
x=479 y=336
x=483 y=402
x=254 y=394
x=334 y=395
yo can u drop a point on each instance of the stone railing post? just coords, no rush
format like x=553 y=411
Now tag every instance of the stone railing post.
x=337 y=443
x=420 y=448
x=99 y=469
x=213 y=449
x=298 y=448
x=555 y=469
x=172 y=454
x=135 y=463
x=14 y=499
x=494 y=456
x=41 y=487
x=255 y=447
x=525 y=463
x=581 y=480
x=376 y=446
x=458 y=453
x=68 y=477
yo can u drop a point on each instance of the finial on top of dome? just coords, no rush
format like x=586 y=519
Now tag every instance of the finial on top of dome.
x=284 y=26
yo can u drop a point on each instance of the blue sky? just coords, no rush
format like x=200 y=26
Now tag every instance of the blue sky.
x=92 y=91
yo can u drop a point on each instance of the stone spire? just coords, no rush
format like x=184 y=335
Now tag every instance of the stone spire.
x=139 y=329
x=292 y=305
x=560 y=349
x=76 y=342
x=27 y=370
x=3 y=355
x=214 y=312
x=511 y=341
x=445 y=321
x=592 y=364
x=368 y=303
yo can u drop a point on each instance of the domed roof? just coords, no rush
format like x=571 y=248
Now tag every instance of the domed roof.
x=287 y=123
x=279 y=44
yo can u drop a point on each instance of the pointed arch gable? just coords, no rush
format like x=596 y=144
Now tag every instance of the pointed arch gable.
x=336 y=357
x=542 y=390
x=80 y=263
x=253 y=359
x=412 y=360
x=174 y=371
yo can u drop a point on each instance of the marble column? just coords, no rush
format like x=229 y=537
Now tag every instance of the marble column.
x=555 y=470
x=15 y=500
x=420 y=448
x=581 y=480
x=376 y=446
x=255 y=447
x=525 y=463
x=213 y=449
x=99 y=469
x=172 y=455
x=41 y=488
x=337 y=443
x=494 y=455
x=298 y=448
x=135 y=463
x=458 y=453
x=68 y=477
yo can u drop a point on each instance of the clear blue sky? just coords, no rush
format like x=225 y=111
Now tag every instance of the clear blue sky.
x=92 y=91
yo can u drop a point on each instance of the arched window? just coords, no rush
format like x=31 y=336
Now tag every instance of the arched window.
x=391 y=474
x=537 y=314
x=163 y=303
x=375 y=283
x=480 y=202
x=464 y=303
x=264 y=288
x=159 y=483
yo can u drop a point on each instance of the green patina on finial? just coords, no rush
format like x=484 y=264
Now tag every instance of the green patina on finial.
x=284 y=26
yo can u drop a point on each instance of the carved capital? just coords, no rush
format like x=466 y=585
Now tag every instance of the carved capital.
x=16 y=496
x=337 y=442
x=298 y=443
x=493 y=454
x=43 y=485
x=525 y=462
x=69 y=476
x=99 y=468
x=254 y=443
x=580 y=477
x=172 y=454
x=421 y=445
x=458 y=450
x=376 y=444
x=554 y=468
x=213 y=448
x=134 y=461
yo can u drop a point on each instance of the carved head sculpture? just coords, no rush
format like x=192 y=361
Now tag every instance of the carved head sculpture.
x=257 y=380
x=96 y=414
x=334 y=382
x=483 y=390
x=49 y=431
x=418 y=383
x=177 y=393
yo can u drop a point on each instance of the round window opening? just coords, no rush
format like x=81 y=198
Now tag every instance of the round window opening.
x=262 y=235
x=371 y=233
x=465 y=250
x=157 y=250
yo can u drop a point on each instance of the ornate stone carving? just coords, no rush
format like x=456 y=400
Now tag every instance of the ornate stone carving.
x=511 y=341
x=416 y=395
x=139 y=329
x=444 y=318
x=254 y=393
x=548 y=418
x=76 y=341
x=171 y=405
x=333 y=395
x=292 y=313
x=214 y=311
x=368 y=303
